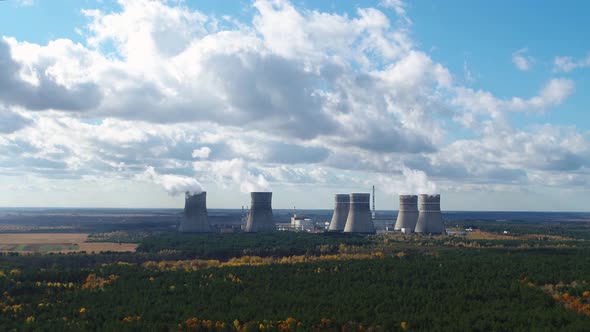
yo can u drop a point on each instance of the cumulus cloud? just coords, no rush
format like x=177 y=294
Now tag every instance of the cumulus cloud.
x=202 y=153
x=38 y=87
x=552 y=94
x=568 y=63
x=236 y=78
x=411 y=181
x=142 y=30
x=511 y=156
x=295 y=96
x=173 y=184
x=521 y=60
x=235 y=171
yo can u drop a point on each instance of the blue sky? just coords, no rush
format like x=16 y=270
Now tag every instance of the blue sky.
x=129 y=103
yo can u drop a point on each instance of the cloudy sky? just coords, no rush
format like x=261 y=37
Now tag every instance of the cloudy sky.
x=128 y=103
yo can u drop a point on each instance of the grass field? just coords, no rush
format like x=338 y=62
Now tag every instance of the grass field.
x=57 y=242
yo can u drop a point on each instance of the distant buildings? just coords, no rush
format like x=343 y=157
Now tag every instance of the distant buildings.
x=352 y=214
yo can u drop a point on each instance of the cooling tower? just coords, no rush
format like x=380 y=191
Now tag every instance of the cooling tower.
x=195 y=218
x=430 y=218
x=341 y=207
x=260 y=217
x=408 y=213
x=359 y=215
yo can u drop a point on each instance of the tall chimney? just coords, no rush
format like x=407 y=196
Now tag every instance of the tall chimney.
x=260 y=217
x=359 y=215
x=407 y=215
x=341 y=207
x=430 y=218
x=195 y=219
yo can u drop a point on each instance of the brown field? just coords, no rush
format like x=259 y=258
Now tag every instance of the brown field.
x=95 y=247
x=58 y=242
x=42 y=238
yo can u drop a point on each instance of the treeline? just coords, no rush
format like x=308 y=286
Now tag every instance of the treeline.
x=225 y=246
x=173 y=246
x=441 y=290
x=574 y=230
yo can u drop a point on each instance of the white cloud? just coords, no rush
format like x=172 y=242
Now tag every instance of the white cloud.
x=201 y=153
x=399 y=7
x=42 y=78
x=552 y=94
x=521 y=60
x=234 y=171
x=513 y=156
x=296 y=96
x=411 y=181
x=568 y=63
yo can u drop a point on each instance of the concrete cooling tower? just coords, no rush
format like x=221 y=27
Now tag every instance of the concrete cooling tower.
x=359 y=215
x=260 y=217
x=195 y=219
x=407 y=216
x=430 y=218
x=341 y=207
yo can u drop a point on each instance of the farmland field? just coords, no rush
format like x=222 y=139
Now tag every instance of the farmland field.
x=57 y=242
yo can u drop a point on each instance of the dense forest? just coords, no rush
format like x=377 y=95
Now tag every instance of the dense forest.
x=301 y=282
x=224 y=246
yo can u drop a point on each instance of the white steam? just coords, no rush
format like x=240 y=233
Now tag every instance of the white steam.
x=235 y=171
x=173 y=184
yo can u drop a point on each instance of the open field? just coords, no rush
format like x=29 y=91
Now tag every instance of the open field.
x=42 y=238
x=57 y=242
x=96 y=247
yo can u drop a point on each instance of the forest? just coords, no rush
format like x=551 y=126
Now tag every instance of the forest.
x=303 y=282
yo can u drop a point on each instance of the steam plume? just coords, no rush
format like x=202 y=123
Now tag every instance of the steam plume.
x=173 y=184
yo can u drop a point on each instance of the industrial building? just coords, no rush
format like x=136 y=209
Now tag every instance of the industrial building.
x=260 y=217
x=429 y=217
x=359 y=218
x=351 y=214
x=341 y=207
x=195 y=218
x=300 y=222
x=407 y=216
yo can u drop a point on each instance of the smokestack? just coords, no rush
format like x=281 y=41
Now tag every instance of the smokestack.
x=407 y=216
x=359 y=215
x=341 y=207
x=260 y=217
x=195 y=218
x=430 y=218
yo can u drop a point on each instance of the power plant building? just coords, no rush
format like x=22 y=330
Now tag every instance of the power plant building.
x=300 y=222
x=359 y=215
x=195 y=218
x=260 y=218
x=341 y=207
x=429 y=217
x=407 y=216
